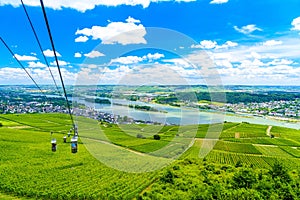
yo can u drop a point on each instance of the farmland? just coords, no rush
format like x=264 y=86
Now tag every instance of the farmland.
x=30 y=170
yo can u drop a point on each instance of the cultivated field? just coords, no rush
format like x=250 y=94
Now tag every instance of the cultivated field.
x=29 y=169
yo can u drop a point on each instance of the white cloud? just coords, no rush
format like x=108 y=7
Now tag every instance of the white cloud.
x=272 y=43
x=50 y=53
x=280 y=62
x=247 y=29
x=9 y=75
x=60 y=62
x=218 y=1
x=178 y=62
x=155 y=56
x=123 y=33
x=77 y=55
x=36 y=64
x=208 y=44
x=132 y=20
x=81 y=39
x=205 y=44
x=127 y=60
x=85 y=5
x=94 y=54
x=227 y=45
x=25 y=58
x=296 y=24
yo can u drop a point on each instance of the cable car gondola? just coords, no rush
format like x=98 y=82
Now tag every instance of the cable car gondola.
x=74 y=144
x=53 y=144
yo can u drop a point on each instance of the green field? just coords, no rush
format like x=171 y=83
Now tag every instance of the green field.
x=29 y=169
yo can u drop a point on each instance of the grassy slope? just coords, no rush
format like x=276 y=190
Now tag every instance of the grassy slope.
x=29 y=168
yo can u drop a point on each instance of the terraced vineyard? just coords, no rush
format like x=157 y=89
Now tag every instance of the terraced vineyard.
x=29 y=168
x=254 y=146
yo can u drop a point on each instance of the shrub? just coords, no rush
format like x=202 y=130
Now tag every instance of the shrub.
x=156 y=137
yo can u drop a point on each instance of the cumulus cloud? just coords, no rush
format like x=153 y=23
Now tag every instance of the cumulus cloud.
x=129 y=32
x=248 y=29
x=94 y=54
x=9 y=75
x=25 y=58
x=208 y=44
x=50 y=53
x=85 y=5
x=296 y=24
x=155 y=56
x=81 y=39
x=77 y=55
x=36 y=64
x=132 y=20
x=280 y=62
x=226 y=45
x=126 y=60
x=218 y=1
x=60 y=62
x=272 y=43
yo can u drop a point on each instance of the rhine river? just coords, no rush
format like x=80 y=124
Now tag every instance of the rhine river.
x=179 y=115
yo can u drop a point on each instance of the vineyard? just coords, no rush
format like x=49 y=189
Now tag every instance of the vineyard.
x=29 y=169
x=254 y=146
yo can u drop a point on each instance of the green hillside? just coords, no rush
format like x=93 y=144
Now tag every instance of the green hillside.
x=29 y=169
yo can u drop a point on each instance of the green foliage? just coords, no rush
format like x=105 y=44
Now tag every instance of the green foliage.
x=252 y=167
x=236 y=147
x=279 y=172
x=156 y=137
x=167 y=177
x=245 y=178
x=29 y=168
x=194 y=179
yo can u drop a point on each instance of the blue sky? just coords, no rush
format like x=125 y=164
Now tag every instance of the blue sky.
x=155 y=41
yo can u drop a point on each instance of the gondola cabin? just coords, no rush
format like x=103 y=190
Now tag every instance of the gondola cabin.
x=74 y=144
x=53 y=144
x=65 y=139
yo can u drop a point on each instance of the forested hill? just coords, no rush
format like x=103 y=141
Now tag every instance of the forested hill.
x=231 y=97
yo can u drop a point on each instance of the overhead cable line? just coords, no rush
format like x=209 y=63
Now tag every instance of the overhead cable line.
x=57 y=64
x=40 y=46
x=12 y=53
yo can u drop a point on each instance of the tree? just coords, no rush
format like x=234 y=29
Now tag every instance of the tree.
x=156 y=137
x=278 y=171
x=1 y=124
x=168 y=177
x=238 y=164
x=245 y=178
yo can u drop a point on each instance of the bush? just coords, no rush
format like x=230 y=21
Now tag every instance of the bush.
x=156 y=137
x=278 y=171
x=244 y=179
x=1 y=124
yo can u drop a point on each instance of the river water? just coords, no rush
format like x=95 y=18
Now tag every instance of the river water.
x=180 y=116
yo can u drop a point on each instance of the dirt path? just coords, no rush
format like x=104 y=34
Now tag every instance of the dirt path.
x=268 y=131
x=117 y=146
